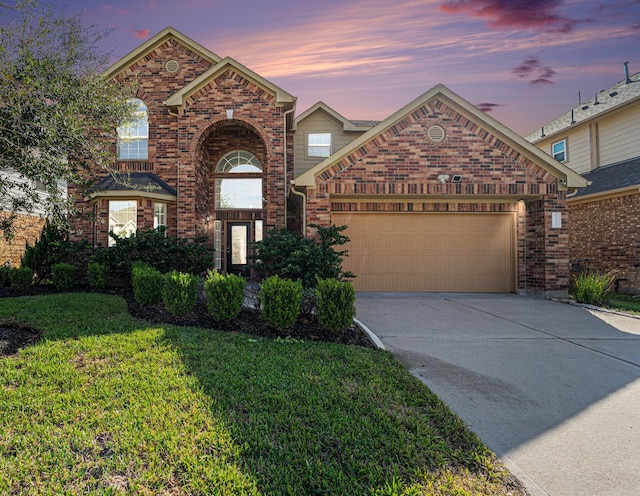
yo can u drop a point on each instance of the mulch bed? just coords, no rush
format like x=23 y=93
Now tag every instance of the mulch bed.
x=14 y=336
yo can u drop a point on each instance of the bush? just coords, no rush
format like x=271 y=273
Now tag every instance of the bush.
x=179 y=292
x=64 y=276
x=21 y=279
x=147 y=285
x=4 y=276
x=280 y=300
x=98 y=275
x=290 y=256
x=592 y=287
x=335 y=307
x=156 y=250
x=225 y=295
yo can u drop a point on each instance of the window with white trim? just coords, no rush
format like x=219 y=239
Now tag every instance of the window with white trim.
x=123 y=218
x=133 y=135
x=318 y=144
x=238 y=183
x=559 y=150
x=159 y=215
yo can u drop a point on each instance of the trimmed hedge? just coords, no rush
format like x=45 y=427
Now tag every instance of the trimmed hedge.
x=98 y=275
x=180 y=292
x=280 y=300
x=147 y=284
x=335 y=306
x=225 y=295
x=21 y=279
x=63 y=276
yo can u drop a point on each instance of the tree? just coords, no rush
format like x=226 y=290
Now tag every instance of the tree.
x=58 y=112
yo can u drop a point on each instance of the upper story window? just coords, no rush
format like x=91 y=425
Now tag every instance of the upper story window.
x=239 y=181
x=559 y=150
x=318 y=144
x=133 y=136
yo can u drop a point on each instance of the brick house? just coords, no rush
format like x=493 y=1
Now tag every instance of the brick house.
x=600 y=139
x=437 y=197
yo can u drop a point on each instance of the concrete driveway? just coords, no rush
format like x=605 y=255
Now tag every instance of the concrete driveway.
x=553 y=389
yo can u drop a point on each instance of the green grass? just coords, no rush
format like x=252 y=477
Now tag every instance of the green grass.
x=624 y=302
x=105 y=404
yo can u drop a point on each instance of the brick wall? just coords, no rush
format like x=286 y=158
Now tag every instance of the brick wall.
x=605 y=235
x=402 y=161
x=27 y=229
x=184 y=148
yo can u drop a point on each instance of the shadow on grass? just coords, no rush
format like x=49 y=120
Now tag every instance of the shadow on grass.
x=303 y=418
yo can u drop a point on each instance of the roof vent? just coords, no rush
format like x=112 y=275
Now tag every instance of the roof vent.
x=436 y=133
x=172 y=66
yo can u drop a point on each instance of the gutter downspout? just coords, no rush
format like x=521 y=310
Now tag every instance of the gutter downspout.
x=177 y=116
x=286 y=113
x=304 y=208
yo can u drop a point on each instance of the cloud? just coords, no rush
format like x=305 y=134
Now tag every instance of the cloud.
x=534 y=70
x=111 y=8
x=141 y=33
x=540 y=15
x=488 y=107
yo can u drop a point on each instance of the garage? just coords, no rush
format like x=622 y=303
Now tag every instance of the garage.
x=430 y=252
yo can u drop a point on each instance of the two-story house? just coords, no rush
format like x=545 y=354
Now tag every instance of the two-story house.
x=438 y=197
x=600 y=139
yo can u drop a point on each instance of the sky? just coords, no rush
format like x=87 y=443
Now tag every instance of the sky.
x=523 y=61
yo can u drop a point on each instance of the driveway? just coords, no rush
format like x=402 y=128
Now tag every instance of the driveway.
x=553 y=389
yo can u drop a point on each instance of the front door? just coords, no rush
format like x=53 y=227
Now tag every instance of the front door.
x=238 y=247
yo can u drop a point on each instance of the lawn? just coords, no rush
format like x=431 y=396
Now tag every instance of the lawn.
x=106 y=404
x=623 y=302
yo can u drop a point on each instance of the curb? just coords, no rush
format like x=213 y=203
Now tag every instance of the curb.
x=595 y=308
x=372 y=337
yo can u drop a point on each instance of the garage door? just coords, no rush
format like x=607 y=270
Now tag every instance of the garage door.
x=430 y=252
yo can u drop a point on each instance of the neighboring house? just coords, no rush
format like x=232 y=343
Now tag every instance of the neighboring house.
x=26 y=225
x=600 y=139
x=437 y=197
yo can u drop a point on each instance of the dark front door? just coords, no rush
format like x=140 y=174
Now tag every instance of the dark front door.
x=238 y=247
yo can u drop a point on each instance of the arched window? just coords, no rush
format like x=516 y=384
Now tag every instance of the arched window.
x=239 y=181
x=133 y=136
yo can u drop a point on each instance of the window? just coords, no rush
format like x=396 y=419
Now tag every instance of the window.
x=559 y=150
x=122 y=218
x=133 y=136
x=159 y=215
x=318 y=144
x=239 y=181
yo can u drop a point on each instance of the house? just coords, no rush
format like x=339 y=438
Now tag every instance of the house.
x=437 y=197
x=27 y=225
x=600 y=139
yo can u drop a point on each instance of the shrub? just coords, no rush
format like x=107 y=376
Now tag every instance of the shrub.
x=225 y=295
x=592 y=287
x=4 y=276
x=21 y=279
x=64 y=276
x=335 y=307
x=98 y=275
x=290 y=256
x=157 y=250
x=147 y=285
x=280 y=300
x=179 y=292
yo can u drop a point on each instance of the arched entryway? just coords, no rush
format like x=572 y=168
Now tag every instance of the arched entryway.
x=233 y=163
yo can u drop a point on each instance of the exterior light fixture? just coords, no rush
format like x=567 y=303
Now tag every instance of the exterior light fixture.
x=229 y=114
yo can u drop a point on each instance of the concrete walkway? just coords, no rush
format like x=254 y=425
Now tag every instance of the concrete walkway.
x=553 y=389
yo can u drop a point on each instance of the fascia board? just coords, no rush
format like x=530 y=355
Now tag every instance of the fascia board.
x=155 y=41
x=178 y=99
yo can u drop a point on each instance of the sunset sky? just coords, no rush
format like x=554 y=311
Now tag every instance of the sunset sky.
x=524 y=61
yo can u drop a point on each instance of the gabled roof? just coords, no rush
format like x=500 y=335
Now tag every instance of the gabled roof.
x=134 y=184
x=612 y=178
x=178 y=99
x=570 y=178
x=619 y=95
x=347 y=125
x=155 y=41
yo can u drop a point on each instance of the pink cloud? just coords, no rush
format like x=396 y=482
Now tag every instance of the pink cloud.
x=141 y=33
x=540 y=15
x=533 y=68
x=488 y=107
x=110 y=8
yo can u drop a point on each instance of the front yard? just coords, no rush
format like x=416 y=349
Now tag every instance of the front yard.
x=107 y=404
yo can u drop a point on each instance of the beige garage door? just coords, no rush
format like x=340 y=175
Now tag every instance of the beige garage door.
x=430 y=252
